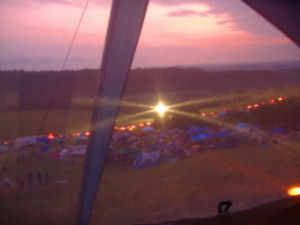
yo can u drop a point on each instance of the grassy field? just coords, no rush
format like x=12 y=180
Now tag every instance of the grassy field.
x=28 y=122
x=190 y=187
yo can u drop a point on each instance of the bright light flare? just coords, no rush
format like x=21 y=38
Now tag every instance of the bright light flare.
x=161 y=109
x=294 y=191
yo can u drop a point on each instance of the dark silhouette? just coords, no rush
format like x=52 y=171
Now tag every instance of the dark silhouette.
x=227 y=205
x=46 y=177
x=5 y=167
x=30 y=179
x=20 y=182
x=40 y=178
x=23 y=158
x=18 y=159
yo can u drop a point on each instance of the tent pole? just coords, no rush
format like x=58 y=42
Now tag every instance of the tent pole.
x=125 y=24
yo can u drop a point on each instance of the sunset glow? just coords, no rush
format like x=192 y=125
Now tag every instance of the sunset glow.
x=35 y=34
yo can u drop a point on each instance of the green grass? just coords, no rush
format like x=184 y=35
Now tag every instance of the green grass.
x=190 y=187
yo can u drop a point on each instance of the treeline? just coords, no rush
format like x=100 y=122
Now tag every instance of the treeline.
x=35 y=90
x=283 y=114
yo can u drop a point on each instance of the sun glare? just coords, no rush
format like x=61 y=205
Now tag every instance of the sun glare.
x=161 y=109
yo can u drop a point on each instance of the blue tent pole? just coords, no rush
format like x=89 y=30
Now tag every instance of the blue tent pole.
x=125 y=24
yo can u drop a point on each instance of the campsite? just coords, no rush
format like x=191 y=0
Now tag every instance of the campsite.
x=237 y=159
x=144 y=112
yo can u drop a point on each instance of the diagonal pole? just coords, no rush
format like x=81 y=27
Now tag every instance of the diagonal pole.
x=125 y=24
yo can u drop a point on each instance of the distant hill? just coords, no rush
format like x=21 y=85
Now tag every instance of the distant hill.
x=36 y=88
x=282 y=65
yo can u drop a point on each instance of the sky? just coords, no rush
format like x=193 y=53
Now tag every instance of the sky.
x=35 y=34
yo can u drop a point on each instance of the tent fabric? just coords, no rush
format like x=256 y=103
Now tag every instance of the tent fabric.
x=201 y=137
x=278 y=130
x=144 y=160
x=241 y=125
x=6 y=182
x=4 y=148
x=43 y=140
x=54 y=155
x=45 y=148
x=222 y=134
x=195 y=130
x=147 y=128
x=26 y=141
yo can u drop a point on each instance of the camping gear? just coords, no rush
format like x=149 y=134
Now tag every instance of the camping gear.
x=146 y=159
x=6 y=182
x=201 y=137
x=278 y=130
x=54 y=155
x=148 y=128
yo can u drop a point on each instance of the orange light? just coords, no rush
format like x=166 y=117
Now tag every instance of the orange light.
x=280 y=99
x=141 y=124
x=123 y=128
x=255 y=105
x=203 y=114
x=116 y=128
x=272 y=101
x=148 y=123
x=77 y=134
x=87 y=133
x=212 y=113
x=249 y=106
x=6 y=143
x=50 y=136
x=133 y=126
x=60 y=135
x=161 y=109
x=294 y=191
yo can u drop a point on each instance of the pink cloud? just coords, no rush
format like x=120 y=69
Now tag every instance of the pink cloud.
x=187 y=13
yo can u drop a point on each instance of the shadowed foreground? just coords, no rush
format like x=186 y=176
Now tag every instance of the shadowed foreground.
x=285 y=211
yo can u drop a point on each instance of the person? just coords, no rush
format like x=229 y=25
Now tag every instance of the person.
x=23 y=158
x=40 y=178
x=46 y=177
x=20 y=182
x=30 y=179
x=4 y=167
x=18 y=159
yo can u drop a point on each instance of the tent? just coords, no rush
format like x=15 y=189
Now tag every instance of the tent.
x=201 y=137
x=54 y=155
x=4 y=148
x=278 y=130
x=222 y=134
x=147 y=128
x=144 y=160
x=192 y=130
x=116 y=61
x=6 y=182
